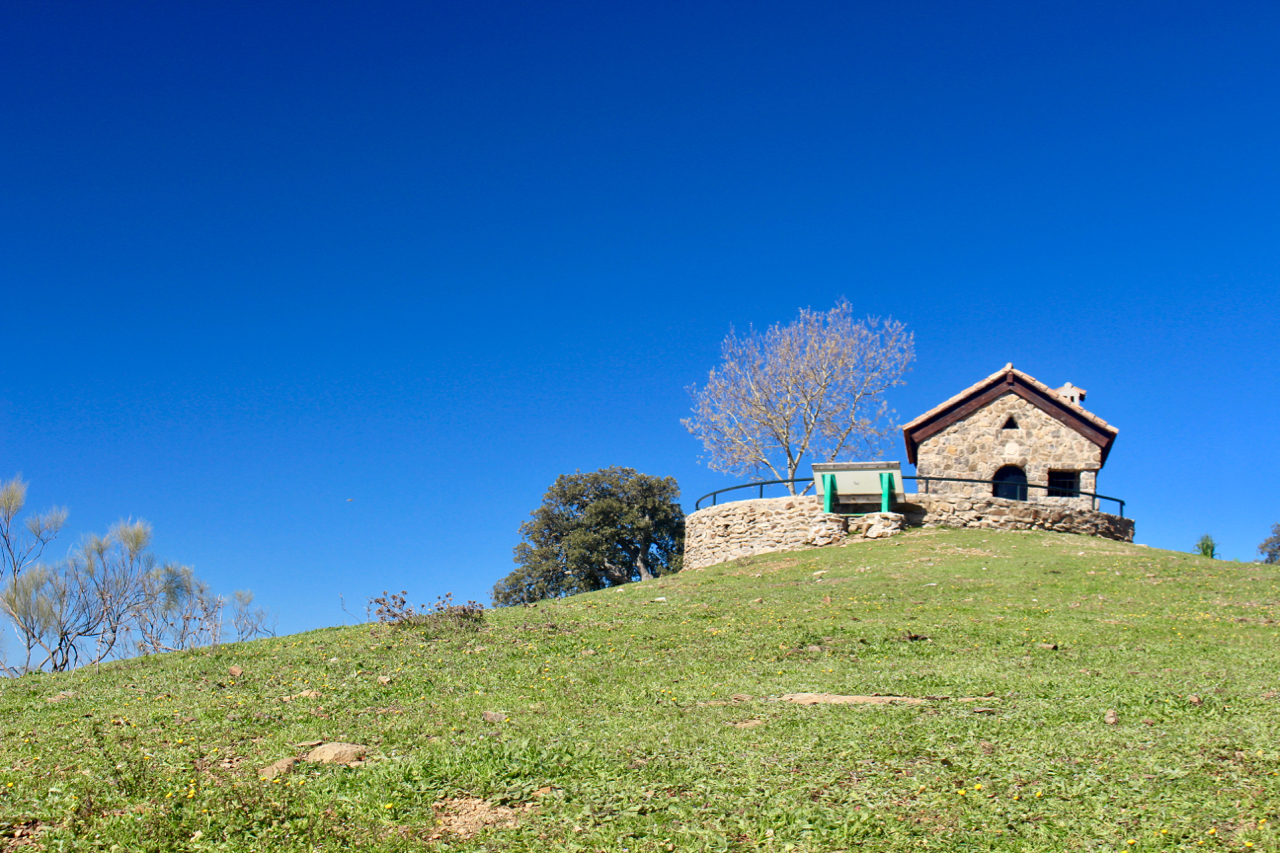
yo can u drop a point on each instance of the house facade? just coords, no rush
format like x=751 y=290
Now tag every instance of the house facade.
x=1037 y=443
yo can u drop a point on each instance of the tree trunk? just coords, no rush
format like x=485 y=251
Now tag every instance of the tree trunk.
x=642 y=565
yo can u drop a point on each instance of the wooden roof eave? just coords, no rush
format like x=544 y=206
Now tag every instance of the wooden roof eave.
x=1007 y=382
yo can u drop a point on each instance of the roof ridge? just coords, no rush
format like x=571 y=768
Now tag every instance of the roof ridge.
x=1007 y=370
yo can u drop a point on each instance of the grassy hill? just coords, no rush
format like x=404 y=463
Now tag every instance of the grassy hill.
x=647 y=717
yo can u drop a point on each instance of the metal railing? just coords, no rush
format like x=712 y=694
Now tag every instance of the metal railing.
x=1055 y=491
x=760 y=483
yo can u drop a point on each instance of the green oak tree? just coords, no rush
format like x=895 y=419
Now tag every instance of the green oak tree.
x=1270 y=547
x=596 y=530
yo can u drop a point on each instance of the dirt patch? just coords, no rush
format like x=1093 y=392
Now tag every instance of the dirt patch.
x=338 y=753
x=746 y=724
x=464 y=817
x=15 y=836
x=837 y=699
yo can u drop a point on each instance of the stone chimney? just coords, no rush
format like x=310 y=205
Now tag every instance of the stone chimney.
x=1071 y=394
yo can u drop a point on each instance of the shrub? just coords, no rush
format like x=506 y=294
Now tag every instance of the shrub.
x=394 y=609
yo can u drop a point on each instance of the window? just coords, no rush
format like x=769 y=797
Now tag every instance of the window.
x=1064 y=484
x=1010 y=482
x=1010 y=424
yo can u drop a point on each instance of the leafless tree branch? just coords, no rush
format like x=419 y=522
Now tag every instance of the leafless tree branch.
x=813 y=388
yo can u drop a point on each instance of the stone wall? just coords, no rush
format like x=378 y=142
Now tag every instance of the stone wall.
x=978 y=446
x=991 y=513
x=762 y=526
x=743 y=528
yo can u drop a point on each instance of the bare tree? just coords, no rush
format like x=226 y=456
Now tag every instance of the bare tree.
x=179 y=611
x=246 y=620
x=22 y=545
x=23 y=602
x=814 y=387
x=87 y=608
x=79 y=610
x=116 y=568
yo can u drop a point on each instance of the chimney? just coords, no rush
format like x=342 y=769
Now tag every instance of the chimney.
x=1071 y=393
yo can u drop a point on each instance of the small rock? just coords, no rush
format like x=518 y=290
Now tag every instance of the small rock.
x=308 y=744
x=826 y=599
x=820 y=573
x=987 y=747
x=278 y=768
x=306 y=694
x=235 y=672
x=60 y=697
x=337 y=753
x=757 y=601
x=588 y=651
x=814 y=649
x=1195 y=700
x=660 y=598
x=384 y=679
x=1111 y=718
x=493 y=717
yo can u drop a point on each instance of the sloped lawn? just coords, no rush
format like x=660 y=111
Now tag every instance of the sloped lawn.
x=648 y=717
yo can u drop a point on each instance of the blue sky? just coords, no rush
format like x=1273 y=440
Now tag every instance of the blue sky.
x=330 y=293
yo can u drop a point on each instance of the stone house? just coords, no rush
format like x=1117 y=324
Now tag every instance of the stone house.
x=1038 y=443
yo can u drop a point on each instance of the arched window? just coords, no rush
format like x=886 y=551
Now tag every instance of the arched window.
x=1010 y=483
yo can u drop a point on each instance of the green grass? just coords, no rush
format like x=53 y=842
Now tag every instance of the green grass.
x=617 y=736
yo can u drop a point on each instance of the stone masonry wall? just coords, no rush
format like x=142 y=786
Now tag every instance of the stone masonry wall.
x=990 y=513
x=978 y=446
x=745 y=528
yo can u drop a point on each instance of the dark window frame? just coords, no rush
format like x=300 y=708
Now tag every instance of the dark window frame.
x=1064 y=484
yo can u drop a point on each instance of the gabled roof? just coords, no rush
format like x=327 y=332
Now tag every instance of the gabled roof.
x=1007 y=380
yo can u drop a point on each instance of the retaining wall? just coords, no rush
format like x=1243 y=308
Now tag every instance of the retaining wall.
x=761 y=526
